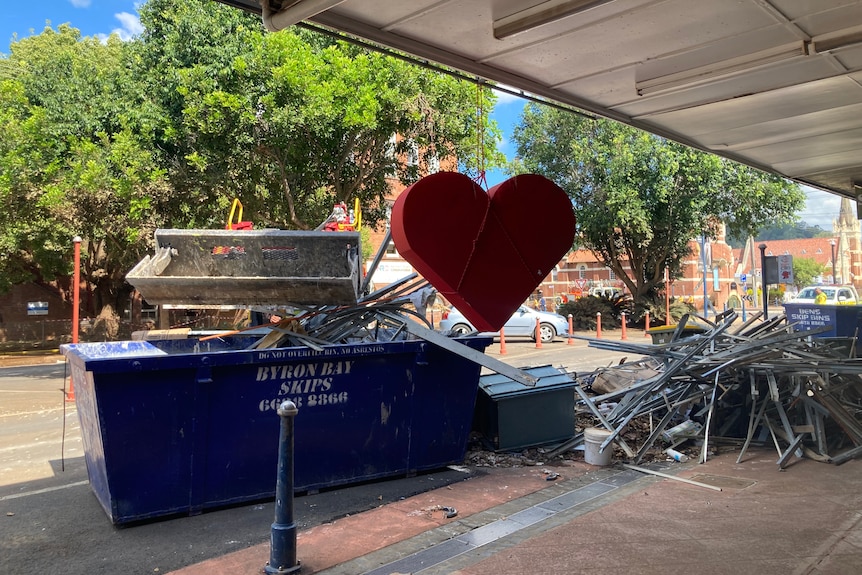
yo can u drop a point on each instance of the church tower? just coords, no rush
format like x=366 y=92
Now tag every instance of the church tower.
x=848 y=248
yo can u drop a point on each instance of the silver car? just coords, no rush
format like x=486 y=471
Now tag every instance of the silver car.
x=522 y=323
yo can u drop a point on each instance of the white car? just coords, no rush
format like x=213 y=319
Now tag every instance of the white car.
x=835 y=295
x=522 y=323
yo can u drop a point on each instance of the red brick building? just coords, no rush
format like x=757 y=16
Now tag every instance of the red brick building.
x=34 y=312
x=580 y=271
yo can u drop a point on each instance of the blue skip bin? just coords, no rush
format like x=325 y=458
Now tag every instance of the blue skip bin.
x=838 y=323
x=178 y=426
x=839 y=320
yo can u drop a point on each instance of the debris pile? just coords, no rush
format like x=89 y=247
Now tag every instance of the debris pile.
x=480 y=456
x=380 y=316
x=393 y=313
x=757 y=382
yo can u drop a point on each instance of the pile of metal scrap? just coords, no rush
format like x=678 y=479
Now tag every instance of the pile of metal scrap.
x=381 y=316
x=737 y=383
x=393 y=313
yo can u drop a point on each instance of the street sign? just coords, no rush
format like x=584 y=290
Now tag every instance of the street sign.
x=37 y=308
x=785 y=269
x=743 y=278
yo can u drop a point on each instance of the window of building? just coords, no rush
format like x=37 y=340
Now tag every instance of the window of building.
x=433 y=164
x=582 y=271
x=390 y=155
x=412 y=153
x=390 y=247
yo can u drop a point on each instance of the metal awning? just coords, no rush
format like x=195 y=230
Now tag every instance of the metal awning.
x=776 y=84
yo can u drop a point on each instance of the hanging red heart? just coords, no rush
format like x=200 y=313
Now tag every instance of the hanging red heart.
x=484 y=252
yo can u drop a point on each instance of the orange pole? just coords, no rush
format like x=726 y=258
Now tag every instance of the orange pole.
x=624 y=326
x=502 y=342
x=598 y=324
x=538 y=333
x=76 y=296
x=571 y=333
x=646 y=326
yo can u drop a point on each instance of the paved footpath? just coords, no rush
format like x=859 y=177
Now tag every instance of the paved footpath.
x=804 y=520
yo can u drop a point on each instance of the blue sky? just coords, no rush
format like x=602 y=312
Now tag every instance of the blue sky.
x=101 y=18
x=507 y=113
x=97 y=18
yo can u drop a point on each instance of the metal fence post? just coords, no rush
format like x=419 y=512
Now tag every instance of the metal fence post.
x=282 y=554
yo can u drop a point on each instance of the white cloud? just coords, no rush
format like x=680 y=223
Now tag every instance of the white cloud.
x=130 y=27
x=820 y=208
x=504 y=144
x=504 y=98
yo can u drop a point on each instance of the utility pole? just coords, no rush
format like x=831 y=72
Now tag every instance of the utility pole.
x=753 y=268
x=763 y=281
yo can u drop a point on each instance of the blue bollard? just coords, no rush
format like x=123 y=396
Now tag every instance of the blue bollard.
x=282 y=553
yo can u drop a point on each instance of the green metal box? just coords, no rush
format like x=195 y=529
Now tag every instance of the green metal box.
x=511 y=416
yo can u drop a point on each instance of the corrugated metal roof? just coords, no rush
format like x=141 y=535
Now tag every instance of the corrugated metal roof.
x=776 y=84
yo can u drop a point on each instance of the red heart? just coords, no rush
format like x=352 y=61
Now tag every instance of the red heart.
x=484 y=252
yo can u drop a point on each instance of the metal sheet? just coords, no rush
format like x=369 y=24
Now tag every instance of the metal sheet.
x=594 y=59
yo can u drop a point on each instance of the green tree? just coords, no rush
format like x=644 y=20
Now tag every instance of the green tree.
x=294 y=122
x=109 y=141
x=805 y=271
x=640 y=198
x=71 y=165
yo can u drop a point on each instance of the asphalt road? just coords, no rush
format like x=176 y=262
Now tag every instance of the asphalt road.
x=50 y=521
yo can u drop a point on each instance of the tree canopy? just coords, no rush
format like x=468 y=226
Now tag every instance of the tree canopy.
x=639 y=198
x=806 y=271
x=71 y=163
x=109 y=141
